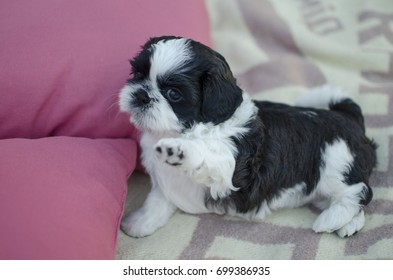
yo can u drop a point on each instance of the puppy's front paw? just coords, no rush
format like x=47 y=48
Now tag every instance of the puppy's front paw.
x=170 y=151
x=137 y=224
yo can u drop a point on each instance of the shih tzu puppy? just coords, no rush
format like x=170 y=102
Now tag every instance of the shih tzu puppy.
x=209 y=148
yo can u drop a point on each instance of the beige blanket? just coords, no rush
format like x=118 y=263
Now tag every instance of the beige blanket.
x=278 y=50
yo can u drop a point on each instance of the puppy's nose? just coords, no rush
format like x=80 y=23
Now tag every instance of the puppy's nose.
x=142 y=97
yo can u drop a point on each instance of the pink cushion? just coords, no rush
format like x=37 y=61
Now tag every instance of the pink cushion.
x=63 y=62
x=62 y=197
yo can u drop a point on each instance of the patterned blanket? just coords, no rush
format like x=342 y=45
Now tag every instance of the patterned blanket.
x=278 y=50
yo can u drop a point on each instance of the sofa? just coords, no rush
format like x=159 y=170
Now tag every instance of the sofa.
x=65 y=150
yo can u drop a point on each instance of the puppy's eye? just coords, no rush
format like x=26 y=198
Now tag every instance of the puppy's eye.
x=173 y=95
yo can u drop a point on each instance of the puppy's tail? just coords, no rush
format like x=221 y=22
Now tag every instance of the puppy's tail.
x=333 y=98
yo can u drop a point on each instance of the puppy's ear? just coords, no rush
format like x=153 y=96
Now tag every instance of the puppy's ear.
x=220 y=94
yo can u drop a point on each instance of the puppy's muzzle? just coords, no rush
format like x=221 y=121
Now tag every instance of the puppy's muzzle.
x=141 y=98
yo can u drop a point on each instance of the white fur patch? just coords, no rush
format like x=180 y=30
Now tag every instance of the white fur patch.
x=169 y=55
x=337 y=160
x=125 y=98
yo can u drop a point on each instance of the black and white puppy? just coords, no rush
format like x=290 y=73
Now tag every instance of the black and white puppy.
x=209 y=148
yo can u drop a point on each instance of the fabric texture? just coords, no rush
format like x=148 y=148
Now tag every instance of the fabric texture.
x=66 y=151
x=278 y=50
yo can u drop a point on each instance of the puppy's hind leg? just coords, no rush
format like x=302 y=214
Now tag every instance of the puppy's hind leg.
x=345 y=213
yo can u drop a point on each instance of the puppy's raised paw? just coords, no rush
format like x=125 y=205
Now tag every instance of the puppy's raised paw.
x=170 y=151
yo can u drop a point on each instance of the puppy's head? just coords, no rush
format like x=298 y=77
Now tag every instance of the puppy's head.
x=177 y=82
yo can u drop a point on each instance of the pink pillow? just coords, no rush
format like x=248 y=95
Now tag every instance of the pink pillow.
x=62 y=197
x=63 y=62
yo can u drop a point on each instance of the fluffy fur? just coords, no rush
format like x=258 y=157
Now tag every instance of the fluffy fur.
x=209 y=148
